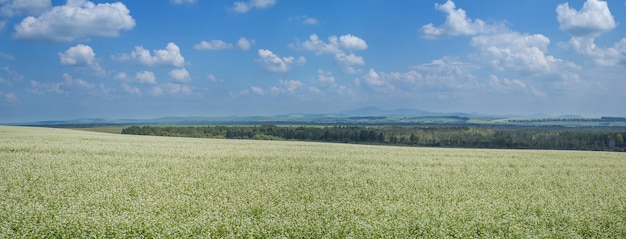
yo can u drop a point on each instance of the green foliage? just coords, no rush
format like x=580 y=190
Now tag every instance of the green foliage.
x=440 y=136
x=58 y=183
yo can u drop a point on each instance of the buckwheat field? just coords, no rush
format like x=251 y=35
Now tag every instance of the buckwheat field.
x=60 y=183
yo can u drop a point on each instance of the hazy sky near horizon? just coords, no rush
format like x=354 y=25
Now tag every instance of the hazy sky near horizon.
x=142 y=59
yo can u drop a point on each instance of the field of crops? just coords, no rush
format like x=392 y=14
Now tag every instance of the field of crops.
x=59 y=183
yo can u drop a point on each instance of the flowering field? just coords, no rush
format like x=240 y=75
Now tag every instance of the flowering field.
x=57 y=183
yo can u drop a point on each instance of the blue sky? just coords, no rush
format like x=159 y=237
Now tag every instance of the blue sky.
x=143 y=59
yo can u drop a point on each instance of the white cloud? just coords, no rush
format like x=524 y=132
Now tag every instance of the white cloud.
x=306 y=20
x=183 y=1
x=10 y=97
x=508 y=86
x=71 y=82
x=338 y=46
x=131 y=89
x=335 y=44
x=593 y=19
x=445 y=65
x=352 y=43
x=3 y=23
x=181 y=75
x=7 y=57
x=319 y=46
x=171 y=89
x=146 y=77
x=13 y=8
x=273 y=63
x=41 y=88
x=80 y=56
x=326 y=78
x=170 y=56
x=243 y=7
x=257 y=90
x=13 y=75
x=609 y=56
x=213 y=45
x=585 y=25
x=457 y=23
x=372 y=78
x=522 y=52
x=213 y=79
x=348 y=61
x=252 y=90
x=244 y=44
x=78 y=19
x=121 y=76
x=286 y=87
x=439 y=77
x=67 y=85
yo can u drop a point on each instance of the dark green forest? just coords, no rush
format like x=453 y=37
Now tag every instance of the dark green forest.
x=431 y=136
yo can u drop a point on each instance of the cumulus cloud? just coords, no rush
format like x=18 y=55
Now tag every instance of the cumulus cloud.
x=603 y=56
x=170 y=56
x=182 y=1
x=146 y=77
x=341 y=47
x=130 y=89
x=273 y=63
x=523 y=52
x=252 y=90
x=11 y=74
x=67 y=85
x=13 y=8
x=257 y=90
x=326 y=78
x=244 y=44
x=508 y=86
x=287 y=86
x=457 y=23
x=213 y=45
x=243 y=7
x=80 y=56
x=335 y=44
x=7 y=57
x=71 y=82
x=9 y=97
x=170 y=89
x=212 y=78
x=593 y=19
x=352 y=43
x=78 y=19
x=348 y=61
x=306 y=20
x=122 y=76
x=42 y=88
x=439 y=77
x=585 y=25
x=181 y=75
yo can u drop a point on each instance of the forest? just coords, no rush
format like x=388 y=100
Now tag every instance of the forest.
x=564 y=138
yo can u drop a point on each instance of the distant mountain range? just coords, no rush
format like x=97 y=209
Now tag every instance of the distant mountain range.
x=361 y=116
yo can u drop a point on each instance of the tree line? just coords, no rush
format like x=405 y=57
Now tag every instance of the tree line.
x=433 y=136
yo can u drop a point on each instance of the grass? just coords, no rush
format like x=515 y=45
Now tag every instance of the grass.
x=59 y=183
